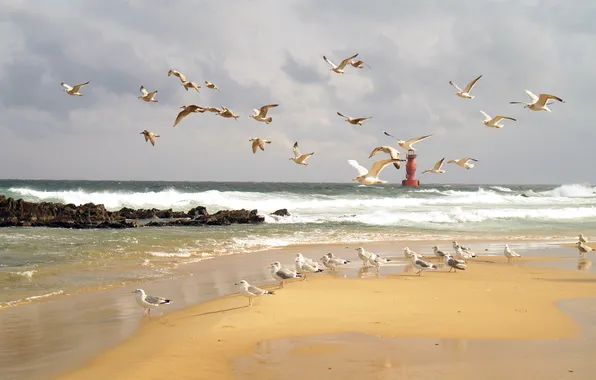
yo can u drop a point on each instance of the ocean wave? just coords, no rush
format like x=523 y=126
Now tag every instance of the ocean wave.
x=27 y=274
x=571 y=191
x=500 y=188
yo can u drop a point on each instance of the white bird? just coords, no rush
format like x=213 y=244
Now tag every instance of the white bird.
x=149 y=302
x=540 y=102
x=282 y=274
x=363 y=255
x=510 y=254
x=189 y=84
x=582 y=238
x=409 y=144
x=359 y=64
x=306 y=259
x=304 y=267
x=391 y=151
x=298 y=158
x=583 y=249
x=149 y=136
x=187 y=110
x=463 y=162
x=211 y=85
x=178 y=74
x=251 y=291
x=376 y=260
x=371 y=176
x=465 y=249
x=438 y=252
x=261 y=113
x=460 y=254
x=465 y=93
x=147 y=96
x=454 y=263
x=227 y=113
x=332 y=262
x=421 y=264
x=493 y=122
x=258 y=142
x=74 y=91
x=340 y=69
x=437 y=168
x=354 y=120
x=408 y=253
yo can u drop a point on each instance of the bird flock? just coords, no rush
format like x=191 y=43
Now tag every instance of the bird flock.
x=365 y=176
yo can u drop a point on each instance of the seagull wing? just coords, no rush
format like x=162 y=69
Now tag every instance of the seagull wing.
x=439 y=164
x=143 y=91
x=296 y=150
x=466 y=159
x=304 y=157
x=152 y=138
x=497 y=118
x=346 y=61
x=378 y=167
x=146 y=136
x=393 y=153
x=361 y=119
x=532 y=96
x=78 y=86
x=261 y=143
x=329 y=62
x=455 y=86
x=181 y=76
x=486 y=116
x=155 y=300
x=254 y=290
x=471 y=84
x=415 y=140
x=342 y=115
x=361 y=169
x=263 y=110
x=182 y=114
x=390 y=135
x=151 y=95
x=543 y=98
x=67 y=87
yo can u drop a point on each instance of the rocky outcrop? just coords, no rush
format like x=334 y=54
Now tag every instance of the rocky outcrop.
x=45 y=214
x=281 y=212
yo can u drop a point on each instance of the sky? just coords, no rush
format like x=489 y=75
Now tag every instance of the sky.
x=269 y=51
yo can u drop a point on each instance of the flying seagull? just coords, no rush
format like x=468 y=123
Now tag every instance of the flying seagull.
x=188 y=84
x=147 y=96
x=370 y=176
x=359 y=64
x=149 y=302
x=211 y=85
x=74 y=91
x=298 y=158
x=540 y=102
x=180 y=76
x=510 y=254
x=407 y=145
x=437 y=168
x=251 y=291
x=187 y=110
x=463 y=162
x=227 y=113
x=212 y=109
x=261 y=113
x=465 y=93
x=149 y=136
x=493 y=122
x=391 y=151
x=340 y=69
x=354 y=120
x=258 y=143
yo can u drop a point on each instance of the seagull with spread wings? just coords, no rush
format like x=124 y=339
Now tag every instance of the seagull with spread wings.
x=74 y=91
x=409 y=144
x=149 y=136
x=227 y=113
x=493 y=122
x=370 y=176
x=261 y=113
x=147 y=96
x=465 y=93
x=437 y=168
x=258 y=142
x=391 y=151
x=354 y=120
x=211 y=85
x=298 y=158
x=540 y=102
x=340 y=69
x=463 y=162
x=187 y=110
x=178 y=74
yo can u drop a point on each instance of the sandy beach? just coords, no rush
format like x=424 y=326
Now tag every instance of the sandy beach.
x=224 y=339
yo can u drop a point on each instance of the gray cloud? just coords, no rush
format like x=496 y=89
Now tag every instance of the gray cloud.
x=261 y=52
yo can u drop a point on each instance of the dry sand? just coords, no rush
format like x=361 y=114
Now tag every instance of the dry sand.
x=491 y=300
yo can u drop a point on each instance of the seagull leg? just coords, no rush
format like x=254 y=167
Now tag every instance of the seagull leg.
x=281 y=284
x=420 y=271
x=249 y=301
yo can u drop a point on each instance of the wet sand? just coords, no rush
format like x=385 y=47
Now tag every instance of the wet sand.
x=492 y=300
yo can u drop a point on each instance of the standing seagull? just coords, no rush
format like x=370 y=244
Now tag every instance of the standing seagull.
x=354 y=120
x=454 y=263
x=147 y=96
x=370 y=176
x=421 y=264
x=227 y=113
x=298 y=158
x=261 y=113
x=340 y=69
x=463 y=162
x=74 y=91
x=582 y=238
x=149 y=136
x=282 y=274
x=259 y=143
x=437 y=168
x=149 y=302
x=211 y=85
x=465 y=93
x=187 y=110
x=583 y=249
x=493 y=122
x=539 y=103
x=304 y=267
x=331 y=261
x=510 y=254
x=407 y=145
x=391 y=151
x=363 y=255
x=251 y=291
x=438 y=252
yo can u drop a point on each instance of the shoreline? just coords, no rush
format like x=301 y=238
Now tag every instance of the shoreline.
x=222 y=330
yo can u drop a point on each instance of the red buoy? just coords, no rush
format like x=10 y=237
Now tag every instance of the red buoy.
x=410 y=170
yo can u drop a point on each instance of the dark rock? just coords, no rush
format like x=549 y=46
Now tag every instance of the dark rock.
x=281 y=212
x=197 y=212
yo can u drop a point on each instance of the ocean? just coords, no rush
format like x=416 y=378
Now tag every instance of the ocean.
x=39 y=263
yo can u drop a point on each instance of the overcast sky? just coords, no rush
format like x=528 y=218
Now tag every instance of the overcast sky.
x=270 y=51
